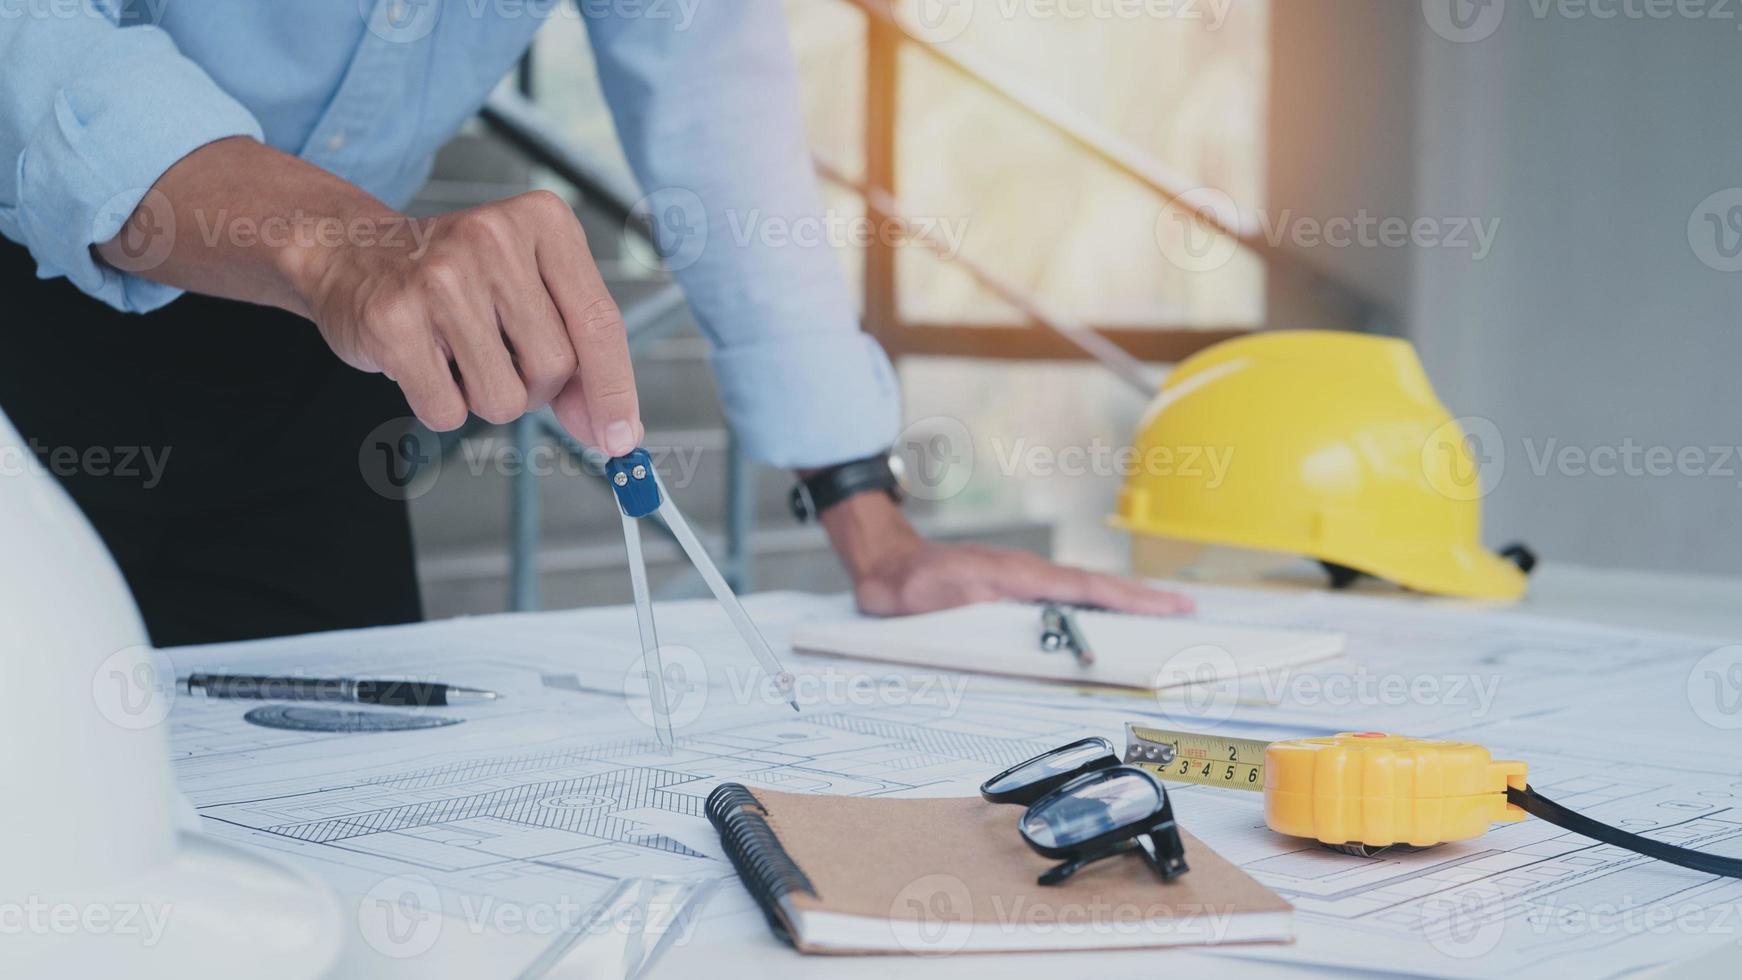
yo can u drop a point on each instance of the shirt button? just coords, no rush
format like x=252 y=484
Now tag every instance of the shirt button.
x=335 y=142
x=396 y=11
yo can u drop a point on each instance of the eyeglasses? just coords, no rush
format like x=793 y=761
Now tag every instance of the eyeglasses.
x=1084 y=806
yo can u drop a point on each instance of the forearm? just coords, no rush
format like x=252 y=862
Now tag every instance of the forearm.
x=866 y=531
x=491 y=311
x=247 y=222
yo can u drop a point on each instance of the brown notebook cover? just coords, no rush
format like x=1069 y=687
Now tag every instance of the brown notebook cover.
x=846 y=874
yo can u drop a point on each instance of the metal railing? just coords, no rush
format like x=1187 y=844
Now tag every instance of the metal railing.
x=885 y=38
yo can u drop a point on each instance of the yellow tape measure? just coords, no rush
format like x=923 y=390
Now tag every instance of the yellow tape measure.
x=1360 y=788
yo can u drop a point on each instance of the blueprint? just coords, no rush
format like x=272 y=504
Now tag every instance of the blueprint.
x=559 y=793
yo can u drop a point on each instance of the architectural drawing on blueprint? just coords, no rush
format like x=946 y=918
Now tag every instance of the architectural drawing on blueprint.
x=559 y=791
x=568 y=817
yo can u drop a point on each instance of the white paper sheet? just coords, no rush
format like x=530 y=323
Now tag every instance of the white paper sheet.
x=558 y=792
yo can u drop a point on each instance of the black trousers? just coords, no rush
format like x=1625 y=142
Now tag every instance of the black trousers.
x=233 y=465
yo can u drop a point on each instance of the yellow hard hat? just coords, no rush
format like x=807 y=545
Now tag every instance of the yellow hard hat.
x=1319 y=443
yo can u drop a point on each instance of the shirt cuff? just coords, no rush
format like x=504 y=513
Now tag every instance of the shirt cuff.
x=800 y=401
x=110 y=136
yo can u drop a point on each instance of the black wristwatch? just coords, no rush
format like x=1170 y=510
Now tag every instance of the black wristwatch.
x=820 y=491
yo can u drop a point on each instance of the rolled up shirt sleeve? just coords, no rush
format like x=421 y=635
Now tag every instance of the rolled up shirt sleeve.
x=706 y=103
x=91 y=115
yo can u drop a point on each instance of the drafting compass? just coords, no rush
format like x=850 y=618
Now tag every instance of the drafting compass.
x=640 y=494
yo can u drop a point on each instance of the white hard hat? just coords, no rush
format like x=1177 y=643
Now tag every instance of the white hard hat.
x=102 y=877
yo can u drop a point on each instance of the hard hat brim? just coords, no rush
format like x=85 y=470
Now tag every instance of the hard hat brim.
x=1463 y=571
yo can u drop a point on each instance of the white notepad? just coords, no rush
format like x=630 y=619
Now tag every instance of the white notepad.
x=1145 y=652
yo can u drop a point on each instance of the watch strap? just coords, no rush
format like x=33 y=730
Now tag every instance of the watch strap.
x=814 y=494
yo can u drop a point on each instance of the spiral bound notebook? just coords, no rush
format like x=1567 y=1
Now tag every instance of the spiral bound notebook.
x=852 y=874
x=1143 y=652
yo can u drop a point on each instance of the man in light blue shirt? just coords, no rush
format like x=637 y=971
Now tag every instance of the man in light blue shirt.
x=254 y=154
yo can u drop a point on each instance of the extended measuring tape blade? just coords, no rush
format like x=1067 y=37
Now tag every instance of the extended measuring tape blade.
x=1186 y=757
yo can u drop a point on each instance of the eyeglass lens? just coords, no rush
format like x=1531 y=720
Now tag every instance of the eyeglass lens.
x=1051 y=764
x=1098 y=805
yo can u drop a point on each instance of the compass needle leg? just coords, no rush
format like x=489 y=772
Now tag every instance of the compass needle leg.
x=652 y=665
x=753 y=638
x=640 y=493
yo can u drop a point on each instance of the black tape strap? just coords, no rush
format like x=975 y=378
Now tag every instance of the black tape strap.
x=767 y=870
x=1541 y=808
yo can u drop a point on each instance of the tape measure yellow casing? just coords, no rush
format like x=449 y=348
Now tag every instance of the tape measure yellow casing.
x=1355 y=788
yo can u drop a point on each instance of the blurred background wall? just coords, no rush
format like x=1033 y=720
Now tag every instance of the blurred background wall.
x=1607 y=318
x=1610 y=314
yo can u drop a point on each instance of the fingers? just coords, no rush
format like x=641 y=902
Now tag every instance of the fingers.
x=1127 y=595
x=542 y=353
x=411 y=358
x=510 y=293
x=1020 y=575
x=467 y=320
x=571 y=410
x=606 y=378
x=430 y=390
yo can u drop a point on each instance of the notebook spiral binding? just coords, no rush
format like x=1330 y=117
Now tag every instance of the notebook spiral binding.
x=768 y=872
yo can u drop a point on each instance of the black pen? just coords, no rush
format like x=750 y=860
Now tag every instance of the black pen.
x=418 y=694
x=1059 y=631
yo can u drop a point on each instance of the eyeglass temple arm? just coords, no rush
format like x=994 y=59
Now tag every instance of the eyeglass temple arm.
x=1166 y=854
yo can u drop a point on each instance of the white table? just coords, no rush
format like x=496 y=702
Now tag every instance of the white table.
x=732 y=947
